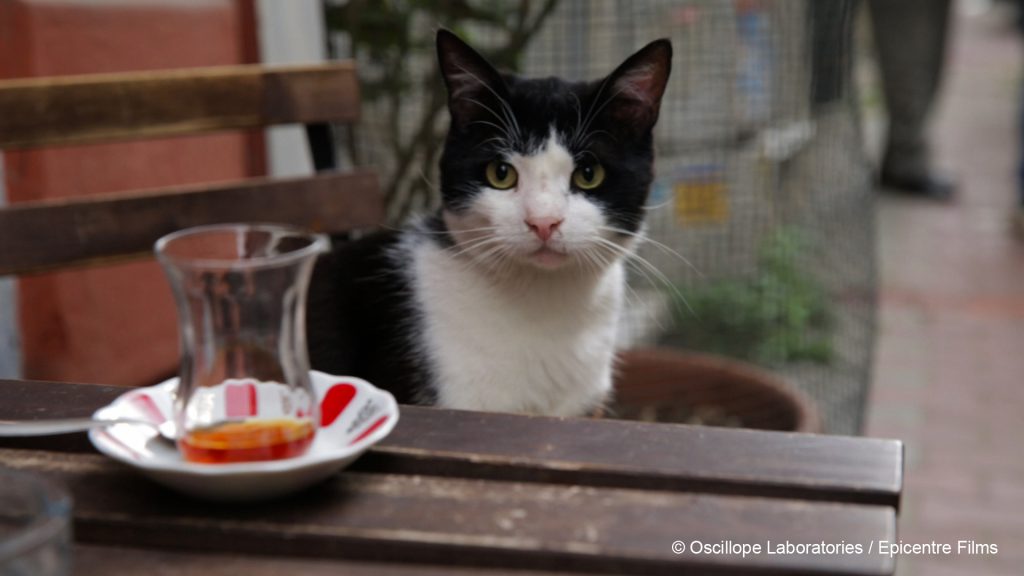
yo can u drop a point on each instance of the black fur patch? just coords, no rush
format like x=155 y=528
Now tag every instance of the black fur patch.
x=361 y=320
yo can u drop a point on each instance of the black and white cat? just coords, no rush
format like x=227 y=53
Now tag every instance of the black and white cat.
x=508 y=298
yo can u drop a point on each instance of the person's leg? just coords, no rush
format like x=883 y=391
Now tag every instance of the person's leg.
x=910 y=36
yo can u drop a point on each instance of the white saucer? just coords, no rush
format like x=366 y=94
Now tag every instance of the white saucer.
x=354 y=415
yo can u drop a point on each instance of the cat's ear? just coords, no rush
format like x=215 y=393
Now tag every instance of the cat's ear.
x=471 y=81
x=637 y=85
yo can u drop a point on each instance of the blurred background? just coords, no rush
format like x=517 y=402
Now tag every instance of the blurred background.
x=832 y=226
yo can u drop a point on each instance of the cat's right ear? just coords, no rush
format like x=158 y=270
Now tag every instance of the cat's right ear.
x=472 y=82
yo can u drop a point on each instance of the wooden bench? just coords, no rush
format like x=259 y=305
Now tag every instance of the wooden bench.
x=38 y=236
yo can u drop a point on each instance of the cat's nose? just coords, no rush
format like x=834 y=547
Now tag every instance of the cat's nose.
x=544 y=227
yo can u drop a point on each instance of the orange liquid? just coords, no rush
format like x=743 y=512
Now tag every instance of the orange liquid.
x=252 y=440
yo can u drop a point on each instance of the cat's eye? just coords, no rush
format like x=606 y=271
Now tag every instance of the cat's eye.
x=501 y=175
x=588 y=177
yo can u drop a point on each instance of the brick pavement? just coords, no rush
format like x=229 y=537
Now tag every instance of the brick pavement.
x=949 y=373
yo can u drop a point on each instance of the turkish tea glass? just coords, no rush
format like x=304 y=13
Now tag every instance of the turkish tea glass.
x=244 y=392
x=35 y=526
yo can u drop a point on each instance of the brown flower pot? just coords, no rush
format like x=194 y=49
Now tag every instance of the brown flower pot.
x=663 y=385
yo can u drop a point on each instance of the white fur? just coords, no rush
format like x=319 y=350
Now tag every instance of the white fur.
x=513 y=323
x=542 y=343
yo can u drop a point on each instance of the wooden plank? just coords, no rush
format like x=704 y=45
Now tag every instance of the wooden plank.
x=642 y=455
x=572 y=451
x=445 y=521
x=42 y=235
x=95 y=560
x=103 y=107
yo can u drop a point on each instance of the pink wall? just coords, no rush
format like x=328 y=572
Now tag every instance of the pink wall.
x=116 y=324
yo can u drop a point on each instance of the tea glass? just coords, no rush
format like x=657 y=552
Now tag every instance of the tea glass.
x=244 y=391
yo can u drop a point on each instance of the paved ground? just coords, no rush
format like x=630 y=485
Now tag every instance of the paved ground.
x=949 y=376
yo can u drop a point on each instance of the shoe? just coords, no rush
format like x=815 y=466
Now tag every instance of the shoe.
x=930 y=186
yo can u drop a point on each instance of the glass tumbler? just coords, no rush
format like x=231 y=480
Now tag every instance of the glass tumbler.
x=244 y=392
x=35 y=526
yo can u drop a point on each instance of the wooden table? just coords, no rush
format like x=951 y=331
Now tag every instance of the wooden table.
x=451 y=492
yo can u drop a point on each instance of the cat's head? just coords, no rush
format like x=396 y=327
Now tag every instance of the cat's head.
x=543 y=172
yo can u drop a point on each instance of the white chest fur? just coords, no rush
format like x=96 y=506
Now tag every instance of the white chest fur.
x=541 y=344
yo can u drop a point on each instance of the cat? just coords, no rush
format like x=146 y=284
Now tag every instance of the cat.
x=508 y=297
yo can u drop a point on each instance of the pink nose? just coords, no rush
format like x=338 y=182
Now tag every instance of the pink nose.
x=543 y=227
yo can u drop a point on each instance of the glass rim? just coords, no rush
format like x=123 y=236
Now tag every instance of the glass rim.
x=51 y=520
x=318 y=244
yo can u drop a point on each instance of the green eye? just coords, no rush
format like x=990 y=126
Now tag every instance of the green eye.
x=501 y=175
x=588 y=177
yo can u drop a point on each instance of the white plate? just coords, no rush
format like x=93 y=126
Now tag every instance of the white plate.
x=354 y=415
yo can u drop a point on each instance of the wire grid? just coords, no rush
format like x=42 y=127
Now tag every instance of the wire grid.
x=762 y=189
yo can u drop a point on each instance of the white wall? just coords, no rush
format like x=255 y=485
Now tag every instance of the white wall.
x=290 y=33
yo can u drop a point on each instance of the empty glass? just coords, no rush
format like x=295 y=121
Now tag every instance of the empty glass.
x=35 y=526
x=244 y=392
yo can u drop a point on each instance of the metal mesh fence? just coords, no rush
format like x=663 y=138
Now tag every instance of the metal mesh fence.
x=761 y=214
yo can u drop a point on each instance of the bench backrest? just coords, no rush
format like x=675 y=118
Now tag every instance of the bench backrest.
x=41 y=235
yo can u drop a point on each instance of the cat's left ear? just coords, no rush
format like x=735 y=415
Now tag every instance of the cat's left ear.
x=471 y=81
x=637 y=85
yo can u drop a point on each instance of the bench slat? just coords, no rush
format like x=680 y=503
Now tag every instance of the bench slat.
x=97 y=108
x=432 y=520
x=44 y=235
x=569 y=451
x=631 y=454
x=94 y=560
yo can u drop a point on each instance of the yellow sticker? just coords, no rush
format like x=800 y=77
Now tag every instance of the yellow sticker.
x=701 y=202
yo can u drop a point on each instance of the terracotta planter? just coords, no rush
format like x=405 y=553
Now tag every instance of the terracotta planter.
x=662 y=385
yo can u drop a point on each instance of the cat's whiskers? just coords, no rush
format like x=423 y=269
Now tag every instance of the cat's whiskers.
x=497 y=260
x=592 y=117
x=473 y=245
x=599 y=263
x=657 y=206
x=633 y=266
x=643 y=266
x=585 y=262
x=506 y=108
x=584 y=153
x=487 y=257
x=480 y=229
x=590 y=135
x=508 y=137
x=503 y=148
x=508 y=129
x=642 y=238
x=633 y=297
x=587 y=259
x=426 y=180
x=469 y=189
x=579 y=112
x=586 y=119
x=441 y=232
